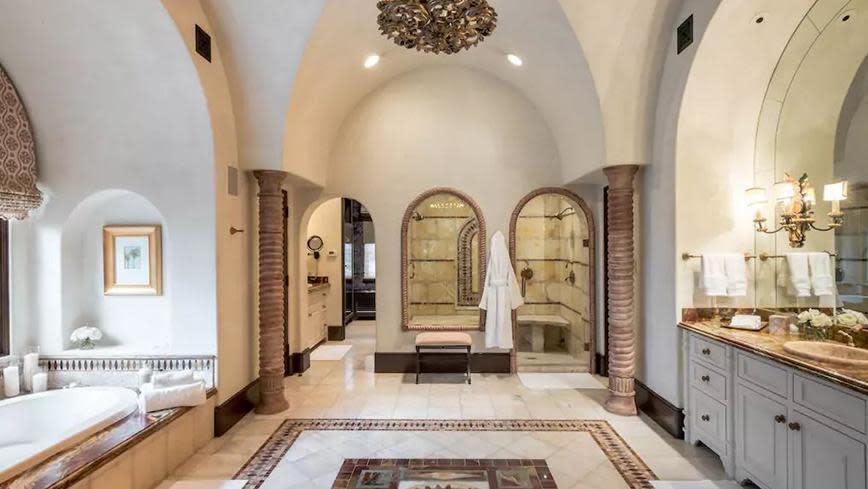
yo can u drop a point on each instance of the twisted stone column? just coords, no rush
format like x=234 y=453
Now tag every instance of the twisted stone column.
x=620 y=269
x=271 y=292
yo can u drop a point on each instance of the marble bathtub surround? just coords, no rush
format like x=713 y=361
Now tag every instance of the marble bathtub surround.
x=621 y=290
x=772 y=346
x=136 y=452
x=442 y=262
x=272 y=296
x=552 y=234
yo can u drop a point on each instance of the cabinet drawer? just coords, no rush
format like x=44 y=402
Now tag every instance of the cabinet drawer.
x=847 y=408
x=708 y=351
x=708 y=381
x=763 y=374
x=709 y=420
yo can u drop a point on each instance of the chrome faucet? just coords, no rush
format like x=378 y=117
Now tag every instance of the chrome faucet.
x=848 y=338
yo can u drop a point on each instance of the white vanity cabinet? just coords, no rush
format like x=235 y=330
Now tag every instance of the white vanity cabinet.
x=779 y=427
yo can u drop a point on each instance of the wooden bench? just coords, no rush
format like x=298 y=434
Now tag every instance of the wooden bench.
x=440 y=341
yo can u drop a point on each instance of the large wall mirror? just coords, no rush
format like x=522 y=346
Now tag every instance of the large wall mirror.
x=814 y=123
x=442 y=262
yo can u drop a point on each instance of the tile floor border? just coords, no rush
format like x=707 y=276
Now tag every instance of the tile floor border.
x=633 y=469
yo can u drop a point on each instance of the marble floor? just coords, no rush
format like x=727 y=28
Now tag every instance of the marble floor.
x=348 y=389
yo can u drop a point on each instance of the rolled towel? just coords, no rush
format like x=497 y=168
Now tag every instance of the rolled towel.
x=152 y=399
x=171 y=379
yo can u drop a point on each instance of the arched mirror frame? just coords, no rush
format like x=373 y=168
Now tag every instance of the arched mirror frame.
x=592 y=266
x=405 y=256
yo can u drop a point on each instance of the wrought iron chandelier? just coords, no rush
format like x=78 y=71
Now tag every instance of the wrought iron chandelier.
x=436 y=26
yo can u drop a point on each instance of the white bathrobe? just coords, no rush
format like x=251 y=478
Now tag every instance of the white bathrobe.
x=501 y=295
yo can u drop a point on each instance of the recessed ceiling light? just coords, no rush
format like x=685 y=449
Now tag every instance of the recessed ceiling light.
x=372 y=60
x=514 y=59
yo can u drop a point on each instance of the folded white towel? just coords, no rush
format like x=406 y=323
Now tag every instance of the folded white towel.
x=736 y=275
x=151 y=399
x=821 y=273
x=713 y=279
x=171 y=379
x=798 y=275
x=746 y=321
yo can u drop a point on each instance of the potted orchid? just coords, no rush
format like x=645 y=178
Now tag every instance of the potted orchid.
x=86 y=337
x=814 y=324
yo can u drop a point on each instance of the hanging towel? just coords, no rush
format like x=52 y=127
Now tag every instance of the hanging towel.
x=736 y=275
x=162 y=380
x=152 y=399
x=713 y=279
x=822 y=281
x=797 y=276
x=500 y=296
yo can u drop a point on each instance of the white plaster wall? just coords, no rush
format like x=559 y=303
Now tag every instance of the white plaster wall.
x=658 y=261
x=236 y=327
x=114 y=107
x=326 y=223
x=450 y=127
x=148 y=329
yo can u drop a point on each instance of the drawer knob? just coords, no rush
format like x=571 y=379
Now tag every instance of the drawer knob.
x=780 y=418
x=706 y=351
x=795 y=426
x=705 y=417
x=705 y=378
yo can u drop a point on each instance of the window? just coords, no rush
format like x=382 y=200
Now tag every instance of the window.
x=370 y=261
x=348 y=261
x=4 y=288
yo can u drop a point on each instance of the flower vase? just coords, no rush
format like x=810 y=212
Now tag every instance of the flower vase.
x=813 y=333
x=86 y=344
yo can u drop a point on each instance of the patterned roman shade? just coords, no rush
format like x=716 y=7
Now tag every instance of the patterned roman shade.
x=18 y=192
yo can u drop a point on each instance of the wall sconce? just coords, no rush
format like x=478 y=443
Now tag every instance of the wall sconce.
x=797 y=199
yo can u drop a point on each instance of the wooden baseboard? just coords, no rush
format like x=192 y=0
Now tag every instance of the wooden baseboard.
x=665 y=414
x=236 y=407
x=337 y=333
x=602 y=364
x=405 y=363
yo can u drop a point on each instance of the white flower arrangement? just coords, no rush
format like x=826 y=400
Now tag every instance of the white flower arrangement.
x=851 y=319
x=815 y=318
x=86 y=337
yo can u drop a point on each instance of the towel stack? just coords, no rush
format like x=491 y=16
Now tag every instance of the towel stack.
x=170 y=390
x=806 y=274
x=724 y=275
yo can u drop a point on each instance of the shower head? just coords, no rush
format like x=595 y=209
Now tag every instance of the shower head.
x=568 y=211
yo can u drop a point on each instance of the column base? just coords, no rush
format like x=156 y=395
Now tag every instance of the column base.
x=271 y=403
x=621 y=404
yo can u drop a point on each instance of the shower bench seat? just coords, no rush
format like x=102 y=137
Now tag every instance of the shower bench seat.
x=437 y=342
x=538 y=323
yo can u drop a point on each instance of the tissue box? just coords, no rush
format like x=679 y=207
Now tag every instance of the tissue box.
x=779 y=324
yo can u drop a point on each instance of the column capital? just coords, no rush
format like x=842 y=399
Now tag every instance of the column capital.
x=270 y=180
x=621 y=176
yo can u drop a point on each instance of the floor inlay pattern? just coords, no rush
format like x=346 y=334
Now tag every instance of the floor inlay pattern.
x=634 y=471
x=447 y=473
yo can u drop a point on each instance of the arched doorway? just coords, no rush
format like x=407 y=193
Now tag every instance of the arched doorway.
x=551 y=244
x=339 y=253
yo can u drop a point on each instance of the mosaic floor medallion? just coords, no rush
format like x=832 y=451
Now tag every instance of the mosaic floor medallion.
x=446 y=473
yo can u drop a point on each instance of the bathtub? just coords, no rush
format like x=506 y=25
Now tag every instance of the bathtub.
x=34 y=427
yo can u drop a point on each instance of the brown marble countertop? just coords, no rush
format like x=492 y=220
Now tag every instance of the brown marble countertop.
x=772 y=346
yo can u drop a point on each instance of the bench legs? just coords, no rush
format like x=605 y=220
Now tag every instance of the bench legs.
x=419 y=363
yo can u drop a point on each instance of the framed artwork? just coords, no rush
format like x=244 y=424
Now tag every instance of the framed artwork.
x=132 y=260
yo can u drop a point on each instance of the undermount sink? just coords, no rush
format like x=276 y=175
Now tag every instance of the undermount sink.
x=834 y=353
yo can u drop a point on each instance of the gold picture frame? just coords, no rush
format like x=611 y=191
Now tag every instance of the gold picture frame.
x=132 y=260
